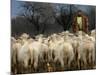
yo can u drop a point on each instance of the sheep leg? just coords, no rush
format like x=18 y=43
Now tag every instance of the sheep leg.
x=25 y=65
x=41 y=56
x=90 y=58
x=56 y=58
x=31 y=57
x=93 y=57
x=78 y=61
x=50 y=56
x=70 y=60
x=36 y=62
x=84 y=62
x=61 y=62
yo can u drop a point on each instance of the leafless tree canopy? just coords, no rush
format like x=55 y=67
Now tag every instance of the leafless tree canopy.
x=47 y=18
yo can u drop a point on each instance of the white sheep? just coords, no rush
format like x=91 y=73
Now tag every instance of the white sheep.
x=15 y=46
x=86 y=49
x=37 y=49
x=24 y=55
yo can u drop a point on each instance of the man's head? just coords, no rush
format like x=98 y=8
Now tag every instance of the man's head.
x=79 y=12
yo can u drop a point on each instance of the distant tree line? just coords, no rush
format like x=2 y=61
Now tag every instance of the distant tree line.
x=46 y=18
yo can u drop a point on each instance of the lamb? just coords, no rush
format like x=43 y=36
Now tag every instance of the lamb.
x=37 y=49
x=59 y=55
x=85 y=49
x=24 y=54
x=68 y=50
x=51 y=45
x=15 y=47
x=34 y=48
x=91 y=46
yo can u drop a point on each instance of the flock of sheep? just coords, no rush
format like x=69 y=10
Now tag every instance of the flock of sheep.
x=63 y=50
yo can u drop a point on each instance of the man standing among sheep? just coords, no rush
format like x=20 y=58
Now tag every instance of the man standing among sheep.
x=80 y=22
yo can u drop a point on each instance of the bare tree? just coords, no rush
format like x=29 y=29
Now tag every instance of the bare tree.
x=65 y=15
x=39 y=14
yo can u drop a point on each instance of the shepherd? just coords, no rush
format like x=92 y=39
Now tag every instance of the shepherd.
x=80 y=22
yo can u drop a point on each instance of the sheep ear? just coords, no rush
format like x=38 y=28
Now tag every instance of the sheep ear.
x=48 y=39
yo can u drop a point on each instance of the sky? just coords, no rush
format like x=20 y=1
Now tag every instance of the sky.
x=15 y=8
